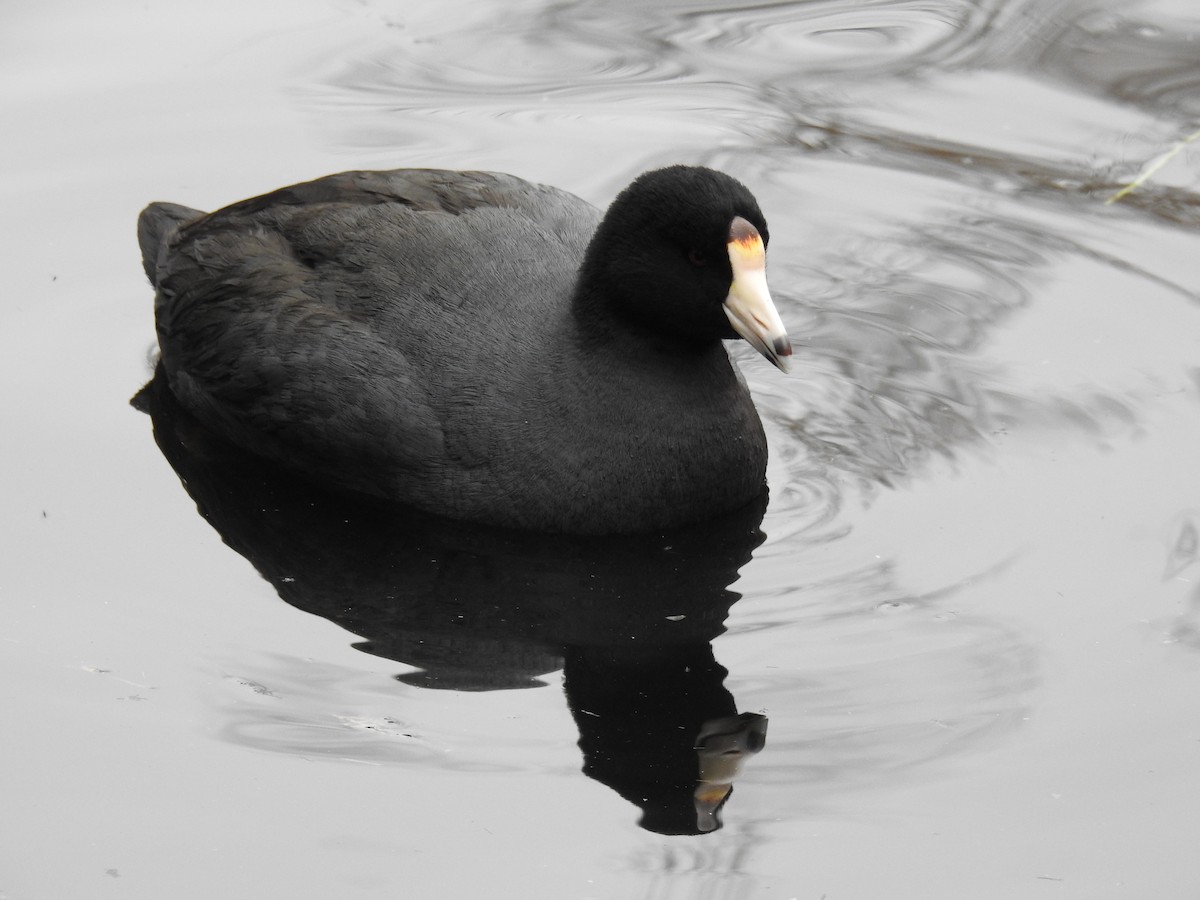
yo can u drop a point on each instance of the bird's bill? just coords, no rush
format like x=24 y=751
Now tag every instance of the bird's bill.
x=749 y=306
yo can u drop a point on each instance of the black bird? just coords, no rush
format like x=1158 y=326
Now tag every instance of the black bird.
x=479 y=346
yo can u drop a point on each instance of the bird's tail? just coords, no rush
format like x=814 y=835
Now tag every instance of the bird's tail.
x=156 y=224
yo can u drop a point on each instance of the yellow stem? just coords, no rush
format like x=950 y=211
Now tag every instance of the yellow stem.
x=1153 y=166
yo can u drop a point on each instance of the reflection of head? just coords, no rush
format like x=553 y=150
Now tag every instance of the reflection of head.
x=723 y=745
x=656 y=725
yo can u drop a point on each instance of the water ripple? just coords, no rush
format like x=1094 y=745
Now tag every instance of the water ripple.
x=826 y=38
x=888 y=680
x=912 y=84
x=890 y=372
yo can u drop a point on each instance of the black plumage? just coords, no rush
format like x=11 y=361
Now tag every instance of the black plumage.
x=473 y=344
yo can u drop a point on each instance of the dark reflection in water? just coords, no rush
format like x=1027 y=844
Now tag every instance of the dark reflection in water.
x=631 y=619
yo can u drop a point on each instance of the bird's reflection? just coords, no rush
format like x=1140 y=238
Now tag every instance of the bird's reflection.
x=629 y=619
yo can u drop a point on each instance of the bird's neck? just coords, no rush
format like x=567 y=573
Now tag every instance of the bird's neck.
x=603 y=325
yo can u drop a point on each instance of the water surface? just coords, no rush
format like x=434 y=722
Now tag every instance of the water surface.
x=969 y=612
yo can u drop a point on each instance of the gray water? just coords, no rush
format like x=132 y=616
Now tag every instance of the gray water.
x=973 y=622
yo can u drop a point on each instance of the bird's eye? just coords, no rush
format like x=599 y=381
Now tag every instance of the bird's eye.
x=697 y=257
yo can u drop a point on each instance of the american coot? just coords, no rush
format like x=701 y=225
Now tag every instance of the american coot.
x=479 y=346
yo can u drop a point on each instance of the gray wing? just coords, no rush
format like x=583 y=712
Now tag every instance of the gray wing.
x=320 y=324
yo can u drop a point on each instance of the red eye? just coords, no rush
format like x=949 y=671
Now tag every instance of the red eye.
x=697 y=258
